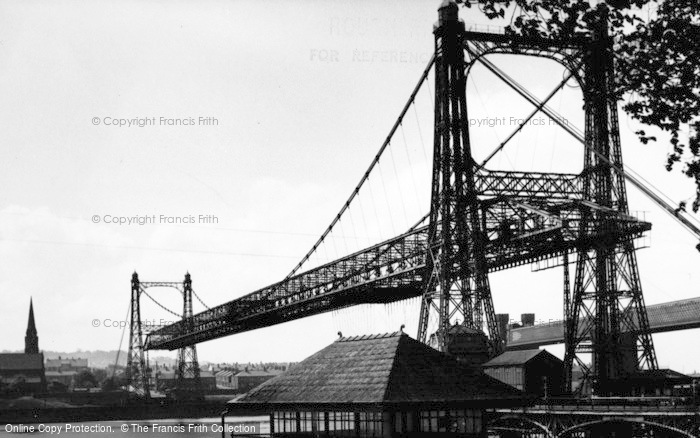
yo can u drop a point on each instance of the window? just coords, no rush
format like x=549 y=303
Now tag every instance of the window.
x=371 y=424
x=331 y=420
x=305 y=420
x=276 y=424
x=454 y=420
x=429 y=421
x=342 y=422
x=457 y=421
x=285 y=422
x=319 y=420
x=401 y=422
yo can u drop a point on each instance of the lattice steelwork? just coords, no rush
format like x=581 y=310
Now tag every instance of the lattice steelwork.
x=187 y=363
x=394 y=270
x=457 y=285
x=137 y=364
x=607 y=290
x=482 y=221
x=606 y=313
x=136 y=372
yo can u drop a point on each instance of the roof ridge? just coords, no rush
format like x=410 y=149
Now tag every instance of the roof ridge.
x=373 y=336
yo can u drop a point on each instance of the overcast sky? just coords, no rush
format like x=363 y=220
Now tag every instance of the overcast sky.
x=303 y=93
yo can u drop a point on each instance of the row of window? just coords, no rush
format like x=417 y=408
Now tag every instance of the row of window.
x=371 y=424
x=456 y=420
x=365 y=424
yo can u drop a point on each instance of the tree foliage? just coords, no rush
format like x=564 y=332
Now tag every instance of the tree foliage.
x=85 y=379
x=656 y=50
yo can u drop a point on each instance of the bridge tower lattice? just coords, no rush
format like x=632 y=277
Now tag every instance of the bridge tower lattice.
x=607 y=306
x=455 y=289
x=137 y=373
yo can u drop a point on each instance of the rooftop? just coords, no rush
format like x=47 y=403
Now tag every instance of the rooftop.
x=388 y=368
x=517 y=357
x=21 y=361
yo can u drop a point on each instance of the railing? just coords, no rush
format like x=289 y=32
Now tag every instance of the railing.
x=620 y=404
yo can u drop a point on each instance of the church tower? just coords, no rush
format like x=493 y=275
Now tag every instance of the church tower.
x=31 y=340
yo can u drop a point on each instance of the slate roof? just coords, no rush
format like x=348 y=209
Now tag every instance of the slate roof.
x=517 y=357
x=389 y=368
x=661 y=374
x=171 y=375
x=72 y=362
x=21 y=361
x=255 y=373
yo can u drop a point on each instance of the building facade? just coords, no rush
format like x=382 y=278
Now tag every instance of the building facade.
x=378 y=386
x=23 y=373
x=536 y=372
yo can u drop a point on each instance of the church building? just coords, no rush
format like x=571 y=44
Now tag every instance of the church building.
x=23 y=373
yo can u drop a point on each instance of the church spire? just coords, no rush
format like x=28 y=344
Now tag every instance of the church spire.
x=31 y=340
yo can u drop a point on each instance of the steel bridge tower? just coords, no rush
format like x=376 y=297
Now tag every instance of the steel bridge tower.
x=455 y=289
x=187 y=363
x=136 y=364
x=605 y=312
x=607 y=305
x=187 y=373
x=484 y=220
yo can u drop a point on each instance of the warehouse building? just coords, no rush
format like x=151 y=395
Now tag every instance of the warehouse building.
x=535 y=372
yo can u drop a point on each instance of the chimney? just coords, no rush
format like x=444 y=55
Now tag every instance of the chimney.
x=528 y=319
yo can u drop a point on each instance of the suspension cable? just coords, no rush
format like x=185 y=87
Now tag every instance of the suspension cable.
x=143 y=291
x=199 y=299
x=369 y=169
x=522 y=124
x=121 y=340
x=676 y=213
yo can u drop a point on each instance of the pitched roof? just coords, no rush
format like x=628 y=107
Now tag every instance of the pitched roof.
x=74 y=362
x=61 y=373
x=660 y=374
x=389 y=368
x=517 y=357
x=256 y=373
x=21 y=361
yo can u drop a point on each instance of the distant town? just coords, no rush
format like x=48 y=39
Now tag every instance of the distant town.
x=57 y=379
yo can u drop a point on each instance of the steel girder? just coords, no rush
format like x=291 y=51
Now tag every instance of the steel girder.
x=395 y=269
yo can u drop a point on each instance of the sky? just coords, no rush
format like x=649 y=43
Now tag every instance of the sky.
x=260 y=117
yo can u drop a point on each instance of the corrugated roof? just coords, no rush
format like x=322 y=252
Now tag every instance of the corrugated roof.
x=21 y=361
x=517 y=357
x=681 y=314
x=378 y=369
